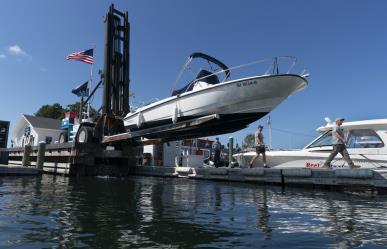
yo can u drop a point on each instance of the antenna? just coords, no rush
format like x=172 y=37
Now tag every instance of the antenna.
x=328 y=120
x=269 y=124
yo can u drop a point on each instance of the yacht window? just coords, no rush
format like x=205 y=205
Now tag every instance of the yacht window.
x=364 y=138
x=324 y=140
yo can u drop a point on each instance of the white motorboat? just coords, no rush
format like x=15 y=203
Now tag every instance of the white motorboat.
x=366 y=146
x=236 y=103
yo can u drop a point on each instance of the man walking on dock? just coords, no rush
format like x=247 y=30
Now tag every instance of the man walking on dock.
x=217 y=147
x=338 y=143
x=259 y=147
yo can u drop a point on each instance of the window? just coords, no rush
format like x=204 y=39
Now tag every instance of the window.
x=364 y=138
x=27 y=131
x=48 y=140
x=324 y=140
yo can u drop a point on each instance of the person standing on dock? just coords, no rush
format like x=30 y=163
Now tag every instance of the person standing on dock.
x=217 y=147
x=259 y=147
x=338 y=143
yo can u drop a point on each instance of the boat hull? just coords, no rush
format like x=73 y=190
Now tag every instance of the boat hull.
x=238 y=103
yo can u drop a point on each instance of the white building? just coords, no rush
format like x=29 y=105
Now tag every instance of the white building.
x=32 y=130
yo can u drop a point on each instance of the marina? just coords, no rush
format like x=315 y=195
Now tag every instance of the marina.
x=213 y=103
x=192 y=167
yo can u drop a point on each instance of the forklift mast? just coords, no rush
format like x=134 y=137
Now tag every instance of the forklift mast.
x=116 y=64
x=115 y=76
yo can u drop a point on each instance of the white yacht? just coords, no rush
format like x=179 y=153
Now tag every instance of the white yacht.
x=236 y=103
x=366 y=146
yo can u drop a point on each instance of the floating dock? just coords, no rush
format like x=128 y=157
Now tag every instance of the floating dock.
x=80 y=159
x=354 y=178
x=14 y=170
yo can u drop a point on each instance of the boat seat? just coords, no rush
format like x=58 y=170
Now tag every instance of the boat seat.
x=211 y=79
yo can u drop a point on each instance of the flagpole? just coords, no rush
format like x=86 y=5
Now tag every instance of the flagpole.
x=90 y=84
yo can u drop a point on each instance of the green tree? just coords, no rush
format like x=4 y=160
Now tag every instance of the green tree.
x=55 y=111
x=248 y=141
x=76 y=106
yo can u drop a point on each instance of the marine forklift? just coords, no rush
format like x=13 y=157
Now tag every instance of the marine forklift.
x=115 y=82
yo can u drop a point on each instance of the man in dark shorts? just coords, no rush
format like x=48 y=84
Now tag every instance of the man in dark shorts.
x=259 y=147
x=217 y=147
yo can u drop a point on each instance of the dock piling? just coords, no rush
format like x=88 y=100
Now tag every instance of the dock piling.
x=26 y=155
x=230 y=150
x=40 y=158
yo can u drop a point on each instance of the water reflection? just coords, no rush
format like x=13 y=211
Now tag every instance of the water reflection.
x=260 y=198
x=145 y=212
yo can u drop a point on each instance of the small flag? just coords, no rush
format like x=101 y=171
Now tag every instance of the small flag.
x=82 y=90
x=85 y=56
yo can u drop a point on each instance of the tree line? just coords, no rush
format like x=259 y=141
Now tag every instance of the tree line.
x=57 y=111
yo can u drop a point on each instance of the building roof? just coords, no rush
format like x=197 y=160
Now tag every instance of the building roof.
x=45 y=123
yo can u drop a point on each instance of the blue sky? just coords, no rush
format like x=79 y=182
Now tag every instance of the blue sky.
x=342 y=43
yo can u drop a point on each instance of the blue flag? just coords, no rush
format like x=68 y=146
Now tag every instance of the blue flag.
x=82 y=90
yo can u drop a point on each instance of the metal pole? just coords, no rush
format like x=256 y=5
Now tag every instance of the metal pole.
x=230 y=150
x=269 y=124
x=40 y=158
x=26 y=155
x=81 y=110
x=90 y=84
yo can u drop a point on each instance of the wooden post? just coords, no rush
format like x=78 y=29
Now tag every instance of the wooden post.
x=26 y=155
x=40 y=158
x=230 y=150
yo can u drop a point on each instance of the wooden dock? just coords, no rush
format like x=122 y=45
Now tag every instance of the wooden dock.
x=15 y=170
x=80 y=159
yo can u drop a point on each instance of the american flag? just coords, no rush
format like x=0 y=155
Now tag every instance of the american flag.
x=85 y=56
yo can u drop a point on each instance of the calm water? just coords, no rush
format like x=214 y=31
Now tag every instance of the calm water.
x=144 y=212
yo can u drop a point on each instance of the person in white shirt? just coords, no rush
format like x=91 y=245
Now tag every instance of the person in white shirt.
x=260 y=147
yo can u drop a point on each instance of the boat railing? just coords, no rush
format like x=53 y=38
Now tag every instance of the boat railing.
x=274 y=68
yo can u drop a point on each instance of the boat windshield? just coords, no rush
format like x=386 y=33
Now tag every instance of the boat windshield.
x=323 y=140
x=357 y=138
x=203 y=76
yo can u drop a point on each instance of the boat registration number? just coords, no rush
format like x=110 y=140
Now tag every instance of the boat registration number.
x=247 y=83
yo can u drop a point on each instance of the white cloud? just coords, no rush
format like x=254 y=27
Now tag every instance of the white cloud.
x=16 y=50
x=3 y=56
